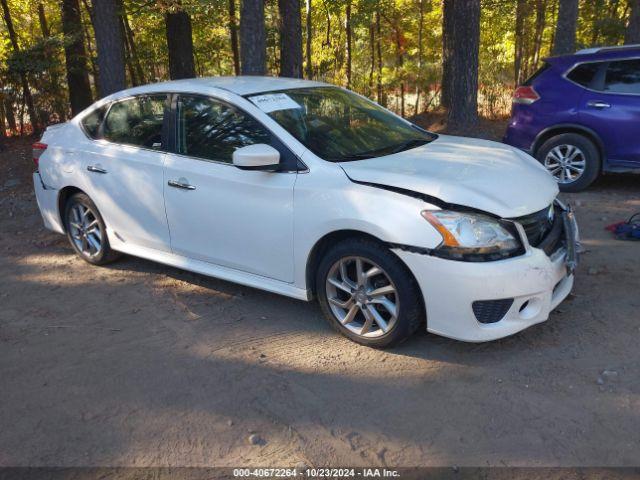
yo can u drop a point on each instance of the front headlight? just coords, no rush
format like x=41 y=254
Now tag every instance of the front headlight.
x=472 y=236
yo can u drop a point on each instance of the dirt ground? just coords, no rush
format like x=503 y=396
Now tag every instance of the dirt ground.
x=137 y=364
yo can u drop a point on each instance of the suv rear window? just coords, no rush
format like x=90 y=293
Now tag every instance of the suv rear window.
x=584 y=73
x=623 y=77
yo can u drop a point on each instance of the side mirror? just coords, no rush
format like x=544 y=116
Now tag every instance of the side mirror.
x=257 y=157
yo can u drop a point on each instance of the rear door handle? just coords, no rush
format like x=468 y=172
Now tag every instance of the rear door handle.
x=180 y=184
x=96 y=169
x=597 y=104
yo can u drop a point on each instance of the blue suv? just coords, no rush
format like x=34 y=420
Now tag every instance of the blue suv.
x=579 y=115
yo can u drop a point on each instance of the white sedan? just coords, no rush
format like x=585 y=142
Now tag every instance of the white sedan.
x=312 y=191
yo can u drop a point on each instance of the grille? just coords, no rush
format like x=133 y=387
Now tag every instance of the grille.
x=536 y=225
x=491 y=311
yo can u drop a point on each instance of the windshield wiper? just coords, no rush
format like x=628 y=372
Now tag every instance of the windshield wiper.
x=355 y=156
x=414 y=142
x=408 y=145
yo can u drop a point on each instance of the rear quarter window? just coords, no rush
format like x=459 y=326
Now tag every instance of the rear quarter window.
x=584 y=74
x=91 y=123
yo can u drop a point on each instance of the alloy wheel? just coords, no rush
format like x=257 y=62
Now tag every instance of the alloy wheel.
x=85 y=230
x=362 y=297
x=566 y=163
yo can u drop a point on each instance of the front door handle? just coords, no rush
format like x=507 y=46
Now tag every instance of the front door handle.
x=96 y=169
x=598 y=104
x=180 y=184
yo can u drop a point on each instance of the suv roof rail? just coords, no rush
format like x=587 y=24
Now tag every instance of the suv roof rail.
x=587 y=51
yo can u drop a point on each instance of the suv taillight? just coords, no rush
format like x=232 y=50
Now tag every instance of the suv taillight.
x=525 y=95
x=38 y=150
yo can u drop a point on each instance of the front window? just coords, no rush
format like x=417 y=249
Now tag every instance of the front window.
x=212 y=130
x=338 y=125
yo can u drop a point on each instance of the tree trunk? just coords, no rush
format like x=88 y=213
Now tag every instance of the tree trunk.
x=3 y=125
x=290 y=38
x=253 y=50
x=59 y=102
x=380 y=94
x=91 y=51
x=10 y=115
x=108 y=31
x=597 y=6
x=233 y=33
x=565 y=33
x=129 y=60
x=519 y=34
x=399 y=61
x=420 y=35
x=130 y=40
x=309 y=65
x=23 y=76
x=463 y=57
x=180 y=45
x=44 y=26
x=632 y=34
x=447 y=51
x=541 y=19
x=372 y=55
x=348 y=31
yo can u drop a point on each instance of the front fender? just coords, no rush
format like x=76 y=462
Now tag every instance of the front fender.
x=343 y=205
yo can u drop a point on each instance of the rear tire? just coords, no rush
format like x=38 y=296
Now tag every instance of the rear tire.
x=379 y=308
x=573 y=159
x=86 y=230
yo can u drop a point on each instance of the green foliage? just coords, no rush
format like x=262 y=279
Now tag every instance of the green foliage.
x=403 y=59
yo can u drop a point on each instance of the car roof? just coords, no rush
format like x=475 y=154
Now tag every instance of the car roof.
x=598 y=54
x=241 y=85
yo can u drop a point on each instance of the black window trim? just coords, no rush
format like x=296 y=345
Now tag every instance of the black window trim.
x=599 y=77
x=172 y=143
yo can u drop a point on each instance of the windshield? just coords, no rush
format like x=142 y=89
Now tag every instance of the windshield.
x=338 y=125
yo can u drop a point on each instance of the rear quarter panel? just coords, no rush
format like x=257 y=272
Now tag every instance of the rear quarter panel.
x=559 y=103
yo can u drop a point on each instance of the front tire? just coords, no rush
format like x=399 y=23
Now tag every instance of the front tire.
x=86 y=230
x=572 y=159
x=367 y=293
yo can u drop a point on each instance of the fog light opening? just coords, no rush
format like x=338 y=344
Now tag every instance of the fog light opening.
x=530 y=308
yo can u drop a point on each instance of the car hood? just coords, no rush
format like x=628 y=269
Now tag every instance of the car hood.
x=484 y=175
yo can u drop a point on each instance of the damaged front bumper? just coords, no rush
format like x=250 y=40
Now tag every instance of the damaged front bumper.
x=484 y=301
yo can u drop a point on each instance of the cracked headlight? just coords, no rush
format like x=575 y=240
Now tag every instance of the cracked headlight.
x=472 y=236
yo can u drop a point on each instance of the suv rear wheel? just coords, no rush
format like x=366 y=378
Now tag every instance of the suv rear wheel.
x=572 y=159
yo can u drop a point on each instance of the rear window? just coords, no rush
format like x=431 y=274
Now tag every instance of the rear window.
x=584 y=73
x=136 y=121
x=91 y=123
x=623 y=77
x=545 y=66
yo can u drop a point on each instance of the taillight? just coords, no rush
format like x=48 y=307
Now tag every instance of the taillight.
x=525 y=95
x=38 y=150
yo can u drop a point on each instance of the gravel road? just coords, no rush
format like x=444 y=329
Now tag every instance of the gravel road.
x=137 y=364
